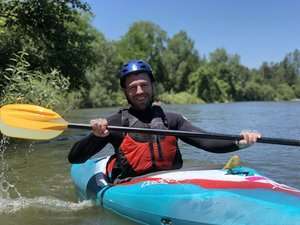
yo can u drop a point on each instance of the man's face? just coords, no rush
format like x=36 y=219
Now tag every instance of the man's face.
x=138 y=90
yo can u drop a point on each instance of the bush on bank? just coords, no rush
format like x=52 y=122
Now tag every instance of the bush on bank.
x=23 y=85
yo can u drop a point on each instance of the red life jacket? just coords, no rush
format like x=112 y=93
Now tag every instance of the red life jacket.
x=140 y=154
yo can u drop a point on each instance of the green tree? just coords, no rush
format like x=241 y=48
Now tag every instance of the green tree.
x=266 y=72
x=144 y=40
x=291 y=68
x=103 y=81
x=296 y=88
x=293 y=59
x=180 y=59
x=284 y=92
x=277 y=73
x=282 y=77
x=205 y=85
x=55 y=34
x=254 y=91
x=229 y=71
x=220 y=56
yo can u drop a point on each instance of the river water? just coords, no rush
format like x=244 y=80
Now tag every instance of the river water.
x=36 y=189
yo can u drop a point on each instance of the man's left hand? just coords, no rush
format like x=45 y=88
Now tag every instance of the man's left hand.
x=249 y=137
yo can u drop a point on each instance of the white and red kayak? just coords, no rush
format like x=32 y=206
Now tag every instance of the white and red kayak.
x=238 y=196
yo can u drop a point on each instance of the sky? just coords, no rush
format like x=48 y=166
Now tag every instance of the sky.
x=257 y=30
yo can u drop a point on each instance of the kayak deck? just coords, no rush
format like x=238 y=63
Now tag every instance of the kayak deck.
x=236 y=196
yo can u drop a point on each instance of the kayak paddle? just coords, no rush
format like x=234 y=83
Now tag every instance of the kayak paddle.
x=37 y=123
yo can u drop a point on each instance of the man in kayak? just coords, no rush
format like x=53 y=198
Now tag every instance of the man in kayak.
x=138 y=154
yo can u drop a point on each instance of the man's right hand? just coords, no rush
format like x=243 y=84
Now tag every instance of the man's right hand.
x=99 y=127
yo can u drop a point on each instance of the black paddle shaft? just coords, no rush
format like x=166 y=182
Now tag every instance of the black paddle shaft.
x=179 y=133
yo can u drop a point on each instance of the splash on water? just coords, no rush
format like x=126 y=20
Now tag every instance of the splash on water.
x=11 y=200
x=6 y=188
x=11 y=206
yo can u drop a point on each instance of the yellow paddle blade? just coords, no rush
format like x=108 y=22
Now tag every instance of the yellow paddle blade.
x=30 y=122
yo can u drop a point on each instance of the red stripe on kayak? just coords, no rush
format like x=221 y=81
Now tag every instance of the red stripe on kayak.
x=220 y=184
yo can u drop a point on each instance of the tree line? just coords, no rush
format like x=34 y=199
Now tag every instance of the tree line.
x=50 y=54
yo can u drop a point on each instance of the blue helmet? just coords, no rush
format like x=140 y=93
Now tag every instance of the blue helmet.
x=133 y=67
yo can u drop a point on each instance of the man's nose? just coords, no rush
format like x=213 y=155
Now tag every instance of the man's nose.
x=139 y=89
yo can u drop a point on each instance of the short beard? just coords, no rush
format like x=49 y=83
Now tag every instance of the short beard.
x=149 y=103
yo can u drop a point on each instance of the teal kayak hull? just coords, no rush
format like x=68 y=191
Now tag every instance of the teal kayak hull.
x=215 y=197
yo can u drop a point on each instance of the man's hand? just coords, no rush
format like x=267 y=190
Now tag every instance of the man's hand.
x=249 y=137
x=99 y=127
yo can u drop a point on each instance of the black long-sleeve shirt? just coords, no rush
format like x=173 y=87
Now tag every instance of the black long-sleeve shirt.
x=90 y=145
